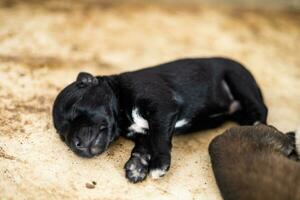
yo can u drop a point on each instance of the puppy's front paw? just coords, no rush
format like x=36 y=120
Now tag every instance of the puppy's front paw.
x=159 y=166
x=136 y=168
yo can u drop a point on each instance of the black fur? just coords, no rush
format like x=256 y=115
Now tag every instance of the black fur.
x=256 y=163
x=93 y=111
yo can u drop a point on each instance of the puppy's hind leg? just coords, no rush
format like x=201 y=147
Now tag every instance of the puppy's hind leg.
x=246 y=91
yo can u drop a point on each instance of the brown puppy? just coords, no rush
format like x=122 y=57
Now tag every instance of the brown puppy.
x=256 y=163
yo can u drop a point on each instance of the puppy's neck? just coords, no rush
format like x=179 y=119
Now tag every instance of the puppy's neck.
x=111 y=81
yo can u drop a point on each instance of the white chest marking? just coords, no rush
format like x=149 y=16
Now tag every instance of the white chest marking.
x=181 y=123
x=139 y=125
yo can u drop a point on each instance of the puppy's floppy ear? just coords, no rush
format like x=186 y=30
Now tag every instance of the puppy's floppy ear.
x=85 y=79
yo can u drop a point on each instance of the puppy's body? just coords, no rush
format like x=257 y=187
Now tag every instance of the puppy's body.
x=252 y=163
x=150 y=105
x=199 y=91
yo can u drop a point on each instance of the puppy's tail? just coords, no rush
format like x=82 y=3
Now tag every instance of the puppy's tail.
x=295 y=137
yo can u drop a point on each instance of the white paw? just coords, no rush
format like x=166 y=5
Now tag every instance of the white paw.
x=234 y=106
x=157 y=173
x=256 y=123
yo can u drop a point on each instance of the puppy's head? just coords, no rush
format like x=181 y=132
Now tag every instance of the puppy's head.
x=85 y=115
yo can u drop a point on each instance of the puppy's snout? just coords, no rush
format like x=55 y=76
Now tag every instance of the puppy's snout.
x=86 y=144
x=78 y=143
x=81 y=147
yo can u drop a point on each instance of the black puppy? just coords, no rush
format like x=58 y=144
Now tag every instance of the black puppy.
x=150 y=105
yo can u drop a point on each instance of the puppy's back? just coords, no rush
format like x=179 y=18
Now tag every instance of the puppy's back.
x=250 y=163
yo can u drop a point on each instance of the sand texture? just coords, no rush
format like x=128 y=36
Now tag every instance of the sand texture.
x=43 y=47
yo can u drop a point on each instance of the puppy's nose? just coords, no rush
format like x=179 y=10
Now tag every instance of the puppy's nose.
x=82 y=147
x=79 y=143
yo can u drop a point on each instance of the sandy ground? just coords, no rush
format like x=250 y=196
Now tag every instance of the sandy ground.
x=42 y=48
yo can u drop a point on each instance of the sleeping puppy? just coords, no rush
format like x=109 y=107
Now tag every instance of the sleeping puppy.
x=150 y=105
x=257 y=163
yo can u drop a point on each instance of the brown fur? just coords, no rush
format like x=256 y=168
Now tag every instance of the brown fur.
x=251 y=163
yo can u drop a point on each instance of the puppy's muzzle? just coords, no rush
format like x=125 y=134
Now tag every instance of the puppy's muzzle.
x=88 y=148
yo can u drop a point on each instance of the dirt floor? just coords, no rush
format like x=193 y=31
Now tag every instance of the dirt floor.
x=43 y=47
